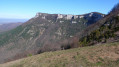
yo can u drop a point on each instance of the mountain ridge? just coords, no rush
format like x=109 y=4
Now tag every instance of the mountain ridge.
x=42 y=34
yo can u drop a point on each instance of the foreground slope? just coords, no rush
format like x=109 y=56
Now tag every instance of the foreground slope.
x=104 y=55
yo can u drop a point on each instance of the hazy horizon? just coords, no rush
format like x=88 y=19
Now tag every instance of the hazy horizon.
x=11 y=20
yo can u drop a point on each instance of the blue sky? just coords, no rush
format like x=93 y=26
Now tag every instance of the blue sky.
x=23 y=9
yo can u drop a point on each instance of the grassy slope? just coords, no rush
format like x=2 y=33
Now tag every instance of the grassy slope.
x=94 y=56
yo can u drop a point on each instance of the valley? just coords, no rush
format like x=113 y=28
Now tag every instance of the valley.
x=8 y=26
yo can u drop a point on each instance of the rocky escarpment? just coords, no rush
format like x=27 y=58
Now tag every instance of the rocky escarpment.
x=94 y=16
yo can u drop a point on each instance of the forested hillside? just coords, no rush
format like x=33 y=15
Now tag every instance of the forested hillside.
x=107 y=30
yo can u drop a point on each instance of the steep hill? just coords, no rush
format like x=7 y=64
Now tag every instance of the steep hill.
x=44 y=32
x=105 y=55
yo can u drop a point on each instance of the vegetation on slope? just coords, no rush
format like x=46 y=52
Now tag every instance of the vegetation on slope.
x=105 y=32
x=10 y=35
x=106 y=55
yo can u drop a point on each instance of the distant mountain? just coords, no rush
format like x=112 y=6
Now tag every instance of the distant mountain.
x=8 y=26
x=44 y=32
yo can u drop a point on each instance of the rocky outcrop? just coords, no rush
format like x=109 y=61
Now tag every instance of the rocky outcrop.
x=69 y=16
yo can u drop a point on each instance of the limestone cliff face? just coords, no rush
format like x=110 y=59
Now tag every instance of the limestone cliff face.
x=69 y=16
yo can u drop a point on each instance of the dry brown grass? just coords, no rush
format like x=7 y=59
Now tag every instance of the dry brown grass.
x=106 y=55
